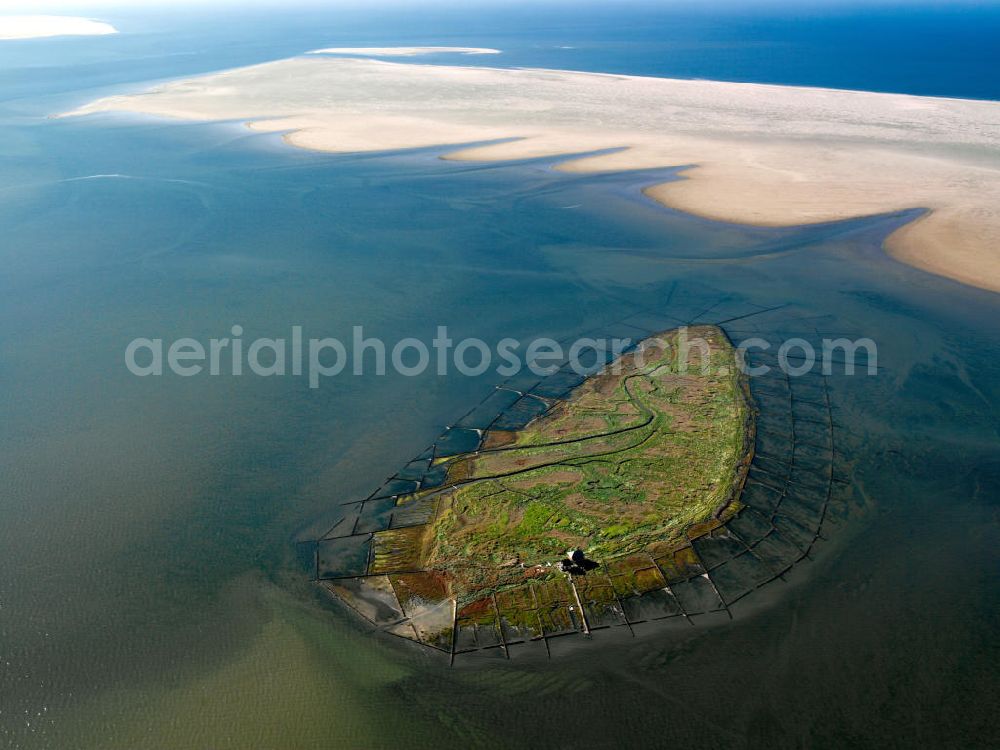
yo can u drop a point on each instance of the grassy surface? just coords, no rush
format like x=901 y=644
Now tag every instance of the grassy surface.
x=632 y=461
x=638 y=456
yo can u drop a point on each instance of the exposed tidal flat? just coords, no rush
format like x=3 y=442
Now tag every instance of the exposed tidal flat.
x=38 y=27
x=766 y=155
x=151 y=588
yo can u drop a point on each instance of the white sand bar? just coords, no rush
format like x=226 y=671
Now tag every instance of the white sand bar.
x=769 y=155
x=403 y=51
x=36 y=27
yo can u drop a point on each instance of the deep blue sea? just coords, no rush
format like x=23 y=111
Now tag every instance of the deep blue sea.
x=151 y=591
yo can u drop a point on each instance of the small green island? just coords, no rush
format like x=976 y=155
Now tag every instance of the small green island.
x=640 y=458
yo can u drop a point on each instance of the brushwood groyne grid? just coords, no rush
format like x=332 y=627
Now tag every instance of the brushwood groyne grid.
x=795 y=479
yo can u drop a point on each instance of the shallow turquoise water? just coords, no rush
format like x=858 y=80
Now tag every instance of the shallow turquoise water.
x=150 y=592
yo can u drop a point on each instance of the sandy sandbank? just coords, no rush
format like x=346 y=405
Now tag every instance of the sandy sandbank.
x=37 y=27
x=403 y=51
x=760 y=154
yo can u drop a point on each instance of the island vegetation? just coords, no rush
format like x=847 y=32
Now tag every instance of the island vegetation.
x=640 y=454
x=641 y=458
